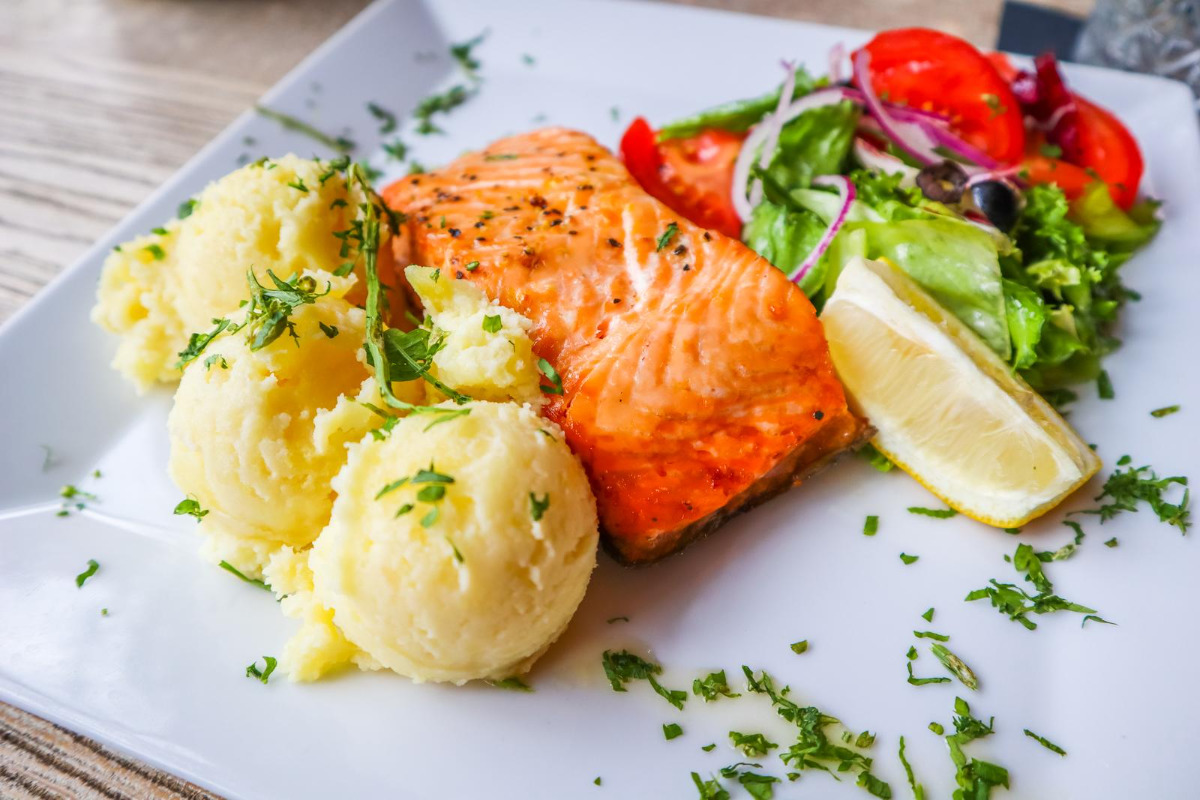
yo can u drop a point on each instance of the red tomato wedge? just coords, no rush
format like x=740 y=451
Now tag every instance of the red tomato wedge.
x=1094 y=144
x=693 y=176
x=935 y=71
x=1109 y=149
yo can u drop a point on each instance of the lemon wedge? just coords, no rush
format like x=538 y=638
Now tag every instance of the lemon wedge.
x=947 y=409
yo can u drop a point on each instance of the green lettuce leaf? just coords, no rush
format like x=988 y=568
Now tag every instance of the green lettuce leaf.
x=815 y=143
x=1026 y=315
x=954 y=261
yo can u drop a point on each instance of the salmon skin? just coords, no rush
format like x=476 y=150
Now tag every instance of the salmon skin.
x=696 y=379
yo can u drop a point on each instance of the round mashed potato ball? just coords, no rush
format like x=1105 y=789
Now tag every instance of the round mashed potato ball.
x=483 y=573
x=137 y=299
x=487 y=352
x=279 y=215
x=259 y=217
x=242 y=430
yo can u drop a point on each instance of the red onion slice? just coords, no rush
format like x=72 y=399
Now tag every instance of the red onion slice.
x=846 y=194
x=755 y=150
x=908 y=136
x=872 y=157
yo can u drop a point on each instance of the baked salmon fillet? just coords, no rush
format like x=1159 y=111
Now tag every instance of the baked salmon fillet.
x=696 y=380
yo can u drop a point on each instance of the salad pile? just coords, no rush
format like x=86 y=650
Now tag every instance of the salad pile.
x=1010 y=199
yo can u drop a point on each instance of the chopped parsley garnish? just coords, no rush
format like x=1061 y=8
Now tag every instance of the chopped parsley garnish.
x=974 y=778
x=492 y=323
x=907 y=559
x=431 y=494
x=329 y=330
x=527 y=60
x=298 y=185
x=216 y=359
x=442 y=103
x=431 y=516
x=230 y=568
x=160 y=231
x=70 y=492
x=708 y=748
x=92 y=566
x=431 y=475
x=391 y=487
x=667 y=236
x=472 y=266
x=514 y=683
x=463 y=55
x=556 y=385
x=672 y=731
x=1104 y=386
x=812 y=748
x=500 y=157
x=1165 y=411
x=104 y=612
x=191 y=506
x=714 y=685
x=939 y=513
x=1014 y=601
x=915 y=681
x=538 y=507
x=622 y=667
x=597 y=781
x=937 y=637
x=268 y=314
x=1046 y=743
x=800 y=647
x=956 y=666
x=198 y=341
x=264 y=674
x=339 y=143
x=753 y=745
x=871 y=526
x=937 y=728
x=156 y=251
x=1050 y=150
x=396 y=149
x=709 y=789
x=386 y=118
x=1128 y=487
x=186 y=208
x=875 y=458
x=928 y=615
x=918 y=790
x=1111 y=542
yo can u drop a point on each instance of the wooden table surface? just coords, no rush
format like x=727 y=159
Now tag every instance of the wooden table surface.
x=101 y=101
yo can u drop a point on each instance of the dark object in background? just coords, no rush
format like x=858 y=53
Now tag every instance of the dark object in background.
x=1032 y=30
x=1158 y=37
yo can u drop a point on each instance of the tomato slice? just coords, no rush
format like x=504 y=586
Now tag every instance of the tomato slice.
x=932 y=70
x=1109 y=149
x=1071 y=179
x=693 y=176
x=1094 y=143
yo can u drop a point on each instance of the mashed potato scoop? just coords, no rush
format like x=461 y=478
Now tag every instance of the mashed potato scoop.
x=458 y=550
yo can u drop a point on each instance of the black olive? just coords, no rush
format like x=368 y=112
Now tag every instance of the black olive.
x=999 y=203
x=943 y=183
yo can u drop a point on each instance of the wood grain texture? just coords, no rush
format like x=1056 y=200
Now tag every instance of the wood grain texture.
x=100 y=102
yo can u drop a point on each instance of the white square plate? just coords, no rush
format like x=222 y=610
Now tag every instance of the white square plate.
x=161 y=676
